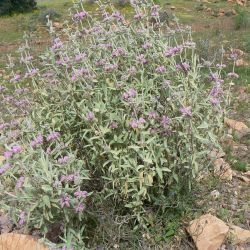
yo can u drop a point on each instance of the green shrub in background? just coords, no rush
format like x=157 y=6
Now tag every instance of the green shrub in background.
x=50 y=13
x=10 y=6
x=242 y=19
x=120 y=111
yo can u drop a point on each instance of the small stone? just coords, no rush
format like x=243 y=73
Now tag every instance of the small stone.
x=236 y=125
x=215 y=194
x=239 y=235
x=57 y=25
x=222 y=169
x=245 y=179
x=241 y=62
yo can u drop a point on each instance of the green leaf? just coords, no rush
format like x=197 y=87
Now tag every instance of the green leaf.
x=46 y=201
x=159 y=172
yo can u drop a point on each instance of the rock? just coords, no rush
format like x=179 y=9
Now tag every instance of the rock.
x=239 y=52
x=241 y=62
x=13 y=241
x=172 y=7
x=241 y=2
x=215 y=194
x=208 y=232
x=239 y=235
x=240 y=127
x=57 y=25
x=247 y=174
x=245 y=179
x=223 y=170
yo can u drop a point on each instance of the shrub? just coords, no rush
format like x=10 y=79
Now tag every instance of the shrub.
x=241 y=20
x=9 y=6
x=120 y=112
x=50 y=13
x=5 y=7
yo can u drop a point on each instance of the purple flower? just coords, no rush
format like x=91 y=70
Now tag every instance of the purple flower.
x=220 y=66
x=128 y=95
x=53 y=136
x=3 y=126
x=160 y=70
x=172 y=51
x=165 y=121
x=81 y=194
x=141 y=121
x=8 y=154
x=146 y=45
x=16 y=149
x=113 y=125
x=141 y=59
x=90 y=116
x=136 y=123
x=119 y=52
x=79 y=57
x=80 y=15
x=186 y=111
x=5 y=168
x=215 y=101
x=233 y=56
x=68 y=178
x=21 y=90
x=57 y=44
x=110 y=67
x=132 y=71
x=100 y=62
x=216 y=91
x=79 y=207
x=65 y=201
x=16 y=78
x=155 y=11
x=183 y=66
x=152 y=115
x=232 y=75
x=48 y=150
x=63 y=160
x=22 y=218
x=138 y=16
x=37 y=141
x=117 y=15
x=31 y=73
x=214 y=77
x=20 y=182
